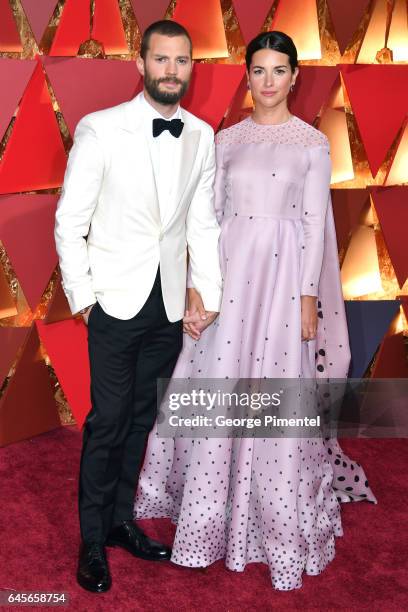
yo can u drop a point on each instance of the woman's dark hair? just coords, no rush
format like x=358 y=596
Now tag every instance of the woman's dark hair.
x=278 y=41
x=165 y=27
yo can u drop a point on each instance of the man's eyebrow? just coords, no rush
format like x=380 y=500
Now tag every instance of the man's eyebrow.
x=280 y=66
x=167 y=57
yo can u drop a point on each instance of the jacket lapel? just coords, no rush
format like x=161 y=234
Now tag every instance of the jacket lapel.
x=132 y=122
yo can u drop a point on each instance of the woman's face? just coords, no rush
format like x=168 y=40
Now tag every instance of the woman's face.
x=270 y=77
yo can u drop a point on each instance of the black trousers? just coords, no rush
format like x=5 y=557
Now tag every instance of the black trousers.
x=126 y=358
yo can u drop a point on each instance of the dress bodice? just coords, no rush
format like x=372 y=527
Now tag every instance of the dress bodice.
x=272 y=170
x=277 y=173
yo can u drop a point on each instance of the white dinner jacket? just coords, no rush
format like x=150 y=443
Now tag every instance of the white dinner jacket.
x=109 y=235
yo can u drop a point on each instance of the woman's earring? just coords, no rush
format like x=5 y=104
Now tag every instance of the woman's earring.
x=292 y=87
x=248 y=85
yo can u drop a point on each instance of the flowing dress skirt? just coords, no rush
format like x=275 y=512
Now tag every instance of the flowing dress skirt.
x=271 y=500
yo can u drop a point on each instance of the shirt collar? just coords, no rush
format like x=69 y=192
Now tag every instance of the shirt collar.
x=152 y=113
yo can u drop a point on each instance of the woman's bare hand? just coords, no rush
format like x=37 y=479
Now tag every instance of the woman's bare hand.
x=308 y=317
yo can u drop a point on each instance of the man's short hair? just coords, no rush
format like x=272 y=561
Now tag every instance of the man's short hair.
x=165 y=27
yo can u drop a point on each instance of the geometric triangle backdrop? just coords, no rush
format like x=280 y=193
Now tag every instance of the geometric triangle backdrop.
x=35 y=157
x=27 y=232
x=346 y=17
x=20 y=416
x=39 y=13
x=391 y=205
x=14 y=76
x=83 y=86
x=367 y=323
x=251 y=16
x=11 y=339
x=67 y=347
x=379 y=99
x=312 y=89
x=146 y=12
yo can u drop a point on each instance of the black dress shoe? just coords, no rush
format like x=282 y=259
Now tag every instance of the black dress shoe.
x=130 y=537
x=93 y=571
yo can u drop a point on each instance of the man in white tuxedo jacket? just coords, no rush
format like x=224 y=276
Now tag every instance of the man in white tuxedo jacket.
x=137 y=196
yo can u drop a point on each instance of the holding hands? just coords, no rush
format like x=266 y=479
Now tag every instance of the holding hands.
x=196 y=318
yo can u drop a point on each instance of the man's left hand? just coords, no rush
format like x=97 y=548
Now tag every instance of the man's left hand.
x=196 y=318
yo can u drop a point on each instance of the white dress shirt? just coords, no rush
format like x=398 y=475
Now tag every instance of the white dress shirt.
x=162 y=153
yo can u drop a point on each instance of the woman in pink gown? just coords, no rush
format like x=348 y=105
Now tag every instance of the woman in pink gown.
x=272 y=500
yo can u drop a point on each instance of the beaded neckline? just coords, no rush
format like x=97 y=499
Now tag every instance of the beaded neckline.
x=271 y=125
x=294 y=131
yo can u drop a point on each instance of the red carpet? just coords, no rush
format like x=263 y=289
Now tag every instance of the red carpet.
x=39 y=541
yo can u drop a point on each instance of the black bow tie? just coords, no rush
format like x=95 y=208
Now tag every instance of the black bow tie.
x=175 y=127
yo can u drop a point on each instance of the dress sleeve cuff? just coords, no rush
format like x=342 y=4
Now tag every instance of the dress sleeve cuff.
x=309 y=287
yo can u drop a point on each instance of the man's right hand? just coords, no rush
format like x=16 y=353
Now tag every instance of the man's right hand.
x=86 y=314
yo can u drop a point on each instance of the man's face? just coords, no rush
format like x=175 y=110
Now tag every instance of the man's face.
x=166 y=68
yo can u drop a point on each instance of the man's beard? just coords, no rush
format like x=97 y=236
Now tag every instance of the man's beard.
x=164 y=97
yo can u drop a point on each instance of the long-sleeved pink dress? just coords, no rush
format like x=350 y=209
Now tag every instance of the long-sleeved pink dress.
x=263 y=500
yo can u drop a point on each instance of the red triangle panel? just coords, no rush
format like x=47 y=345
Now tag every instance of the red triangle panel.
x=347 y=207
x=108 y=27
x=28 y=406
x=27 y=232
x=9 y=37
x=58 y=309
x=73 y=29
x=83 y=86
x=312 y=89
x=14 y=76
x=391 y=360
x=148 y=12
x=11 y=339
x=212 y=90
x=39 y=13
x=67 y=346
x=346 y=17
x=203 y=20
x=379 y=98
x=391 y=205
x=251 y=16
x=35 y=156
